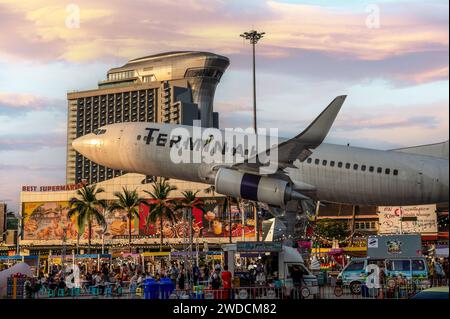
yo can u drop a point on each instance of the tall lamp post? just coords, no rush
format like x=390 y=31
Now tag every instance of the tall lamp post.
x=254 y=36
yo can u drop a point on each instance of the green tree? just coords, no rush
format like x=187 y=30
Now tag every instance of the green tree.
x=332 y=229
x=189 y=202
x=129 y=202
x=87 y=208
x=161 y=205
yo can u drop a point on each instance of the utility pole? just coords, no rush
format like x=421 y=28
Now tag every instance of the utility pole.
x=63 y=254
x=254 y=36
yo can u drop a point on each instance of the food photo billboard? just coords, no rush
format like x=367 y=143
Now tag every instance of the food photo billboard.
x=47 y=220
x=210 y=222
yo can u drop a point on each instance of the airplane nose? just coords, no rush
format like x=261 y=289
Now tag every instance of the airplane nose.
x=87 y=144
x=76 y=144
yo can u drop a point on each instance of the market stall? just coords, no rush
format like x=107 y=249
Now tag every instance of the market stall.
x=88 y=262
x=155 y=261
x=9 y=261
x=247 y=260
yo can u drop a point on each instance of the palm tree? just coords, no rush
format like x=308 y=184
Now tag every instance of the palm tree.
x=87 y=208
x=161 y=206
x=128 y=201
x=189 y=202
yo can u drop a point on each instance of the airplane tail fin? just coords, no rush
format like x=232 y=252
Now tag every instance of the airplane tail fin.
x=439 y=150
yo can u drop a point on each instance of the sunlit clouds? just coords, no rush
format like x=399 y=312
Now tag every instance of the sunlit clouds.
x=390 y=58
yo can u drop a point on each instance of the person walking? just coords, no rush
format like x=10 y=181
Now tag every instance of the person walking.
x=206 y=274
x=216 y=282
x=173 y=273
x=439 y=271
x=196 y=274
x=181 y=278
x=226 y=282
x=297 y=278
x=432 y=273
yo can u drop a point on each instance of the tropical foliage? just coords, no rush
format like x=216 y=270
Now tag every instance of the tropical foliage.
x=88 y=208
x=332 y=229
x=189 y=202
x=161 y=206
x=129 y=202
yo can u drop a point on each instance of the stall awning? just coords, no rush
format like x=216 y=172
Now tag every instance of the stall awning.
x=93 y=256
x=443 y=235
x=18 y=257
x=346 y=249
x=155 y=253
x=429 y=237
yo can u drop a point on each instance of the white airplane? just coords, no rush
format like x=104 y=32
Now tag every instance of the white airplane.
x=305 y=167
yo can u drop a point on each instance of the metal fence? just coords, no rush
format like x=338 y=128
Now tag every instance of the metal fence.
x=392 y=289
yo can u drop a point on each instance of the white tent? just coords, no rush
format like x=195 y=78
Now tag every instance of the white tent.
x=273 y=229
x=21 y=268
x=291 y=255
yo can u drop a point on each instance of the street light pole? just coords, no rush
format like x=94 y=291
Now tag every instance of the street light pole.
x=254 y=36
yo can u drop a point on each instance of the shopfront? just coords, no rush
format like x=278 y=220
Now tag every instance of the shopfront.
x=253 y=262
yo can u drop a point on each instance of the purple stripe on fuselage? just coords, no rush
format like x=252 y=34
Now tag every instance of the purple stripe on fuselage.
x=249 y=186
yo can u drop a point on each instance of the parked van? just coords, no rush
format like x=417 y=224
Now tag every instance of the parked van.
x=355 y=273
x=289 y=258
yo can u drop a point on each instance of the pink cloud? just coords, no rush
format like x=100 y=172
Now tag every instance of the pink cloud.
x=111 y=29
x=22 y=101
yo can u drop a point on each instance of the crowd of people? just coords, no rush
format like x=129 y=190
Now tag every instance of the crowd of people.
x=131 y=276
x=115 y=278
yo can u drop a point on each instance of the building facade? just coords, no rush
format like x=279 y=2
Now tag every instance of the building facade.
x=176 y=87
x=2 y=221
x=47 y=228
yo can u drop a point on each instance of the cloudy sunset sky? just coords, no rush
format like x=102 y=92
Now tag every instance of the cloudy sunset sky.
x=389 y=57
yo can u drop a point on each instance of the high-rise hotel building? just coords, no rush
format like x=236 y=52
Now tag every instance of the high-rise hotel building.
x=175 y=87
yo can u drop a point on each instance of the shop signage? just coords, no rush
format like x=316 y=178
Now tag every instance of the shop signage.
x=175 y=254
x=420 y=219
x=156 y=253
x=394 y=246
x=259 y=246
x=372 y=243
x=51 y=188
x=92 y=256
x=305 y=244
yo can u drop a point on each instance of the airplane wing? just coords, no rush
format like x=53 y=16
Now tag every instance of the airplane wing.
x=300 y=146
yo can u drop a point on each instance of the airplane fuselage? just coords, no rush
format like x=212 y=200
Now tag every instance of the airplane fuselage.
x=334 y=173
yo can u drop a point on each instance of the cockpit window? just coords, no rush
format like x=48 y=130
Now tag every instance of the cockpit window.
x=99 y=131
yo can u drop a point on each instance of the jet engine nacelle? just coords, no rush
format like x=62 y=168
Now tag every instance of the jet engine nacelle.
x=264 y=189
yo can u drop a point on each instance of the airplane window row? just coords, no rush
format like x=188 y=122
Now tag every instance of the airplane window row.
x=363 y=168
x=99 y=131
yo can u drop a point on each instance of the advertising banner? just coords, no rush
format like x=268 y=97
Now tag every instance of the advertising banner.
x=214 y=222
x=394 y=246
x=47 y=221
x=407 y=219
